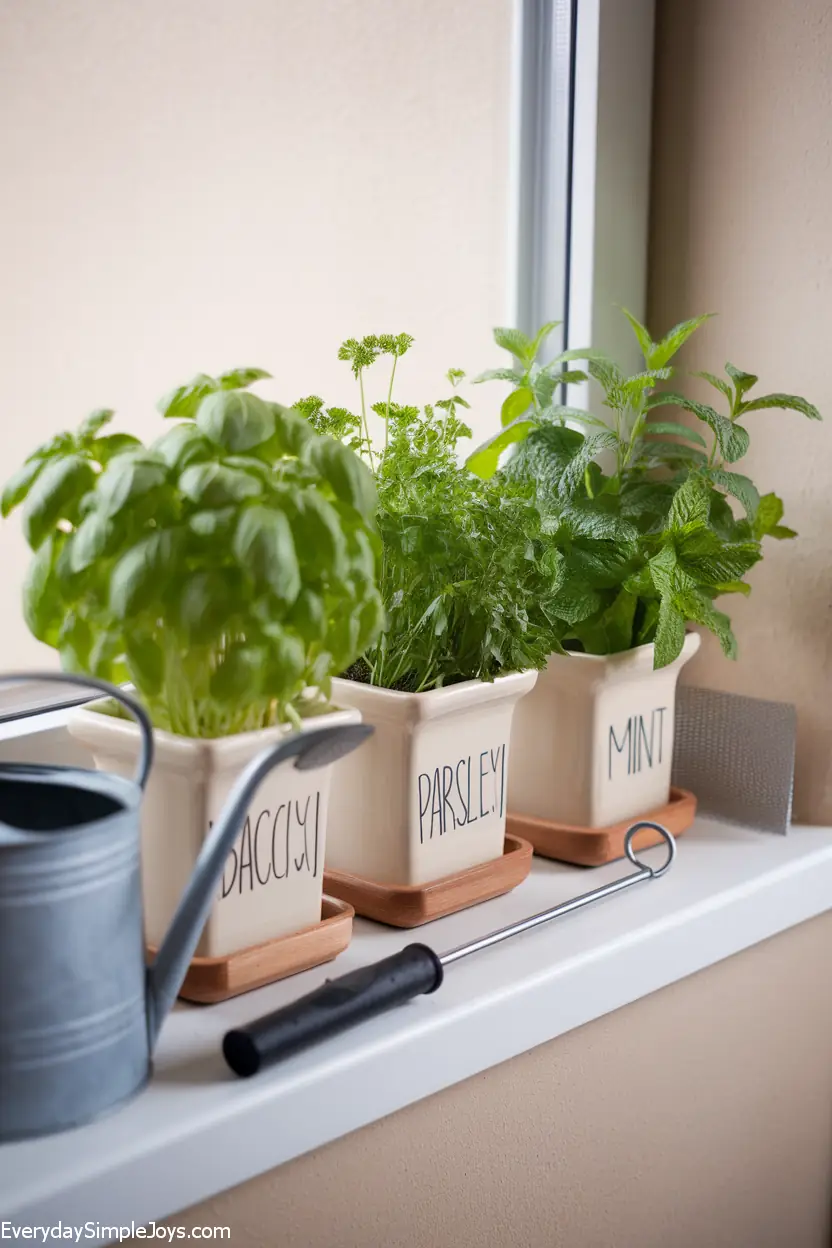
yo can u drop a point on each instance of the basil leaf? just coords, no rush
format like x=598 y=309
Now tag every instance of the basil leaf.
x=264 y=548
x=235 y=420
x=54 y=495
x=18 y=485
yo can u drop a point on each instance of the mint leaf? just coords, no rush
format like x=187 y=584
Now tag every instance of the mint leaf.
x=541 y=336
x=559 y=414
x=670 y=634
x=718 y=384
x=768 y=517
x=664 y=351
x=789 y=402
x=644 y=340
x=674 y=429
x=710 y=560
x=742 y=381
x=572 y=476
x=600 y=565
x=515 y=405
x=605 y=371
x=659 y=453
x=690 y=504
x=739 y=487
x=485 y=460
x=599 y=519
x=498 y=374
x=612 y=631
x=731 y=438
x=516 y=342
x=576 y=353
x=732 y=587
x=575 y=603
x=696 y=607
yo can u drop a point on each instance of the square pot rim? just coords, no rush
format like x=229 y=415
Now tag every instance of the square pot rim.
x=399 y=706
x=602 y=668
x=197 y=756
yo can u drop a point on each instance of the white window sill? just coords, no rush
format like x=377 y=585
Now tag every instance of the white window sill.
x=197 y=1130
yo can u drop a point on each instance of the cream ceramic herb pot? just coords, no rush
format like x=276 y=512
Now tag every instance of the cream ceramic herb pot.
x=426 y=796
x=272 y=882
x=593 y=743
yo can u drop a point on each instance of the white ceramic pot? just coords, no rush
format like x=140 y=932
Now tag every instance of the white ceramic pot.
x=273 y=879
x=425 y=796
x=593 y=743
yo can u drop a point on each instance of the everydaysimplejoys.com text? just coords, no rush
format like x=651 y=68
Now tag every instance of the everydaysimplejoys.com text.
x=104 y=1234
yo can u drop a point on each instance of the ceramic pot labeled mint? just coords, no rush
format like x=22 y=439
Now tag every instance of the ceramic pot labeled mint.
x=225 y=571
x=593 y=741
x=654 y=530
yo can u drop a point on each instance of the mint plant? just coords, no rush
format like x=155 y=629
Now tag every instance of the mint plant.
x=467 y=570
x=226 y=569
x=648 y=541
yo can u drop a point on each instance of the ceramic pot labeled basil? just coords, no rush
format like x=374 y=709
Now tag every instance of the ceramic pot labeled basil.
x=272 y=884
x=226 y=571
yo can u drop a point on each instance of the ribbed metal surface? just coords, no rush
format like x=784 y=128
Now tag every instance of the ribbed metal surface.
x=737 y=755
x=73 y=1023
x=72 y=1038
x=26 y=880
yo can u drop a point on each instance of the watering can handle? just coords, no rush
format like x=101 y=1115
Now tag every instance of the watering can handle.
x=92 y=682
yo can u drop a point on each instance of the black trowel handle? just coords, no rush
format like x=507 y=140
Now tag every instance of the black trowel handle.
x=337 y=1005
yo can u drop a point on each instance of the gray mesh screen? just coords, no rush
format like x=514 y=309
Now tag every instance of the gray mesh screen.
x=737 y=755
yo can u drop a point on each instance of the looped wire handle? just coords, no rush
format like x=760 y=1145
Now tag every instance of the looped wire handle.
x=92 y=682
x=670 y=842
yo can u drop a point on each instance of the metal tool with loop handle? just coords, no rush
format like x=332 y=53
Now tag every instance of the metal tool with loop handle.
x=371 y=990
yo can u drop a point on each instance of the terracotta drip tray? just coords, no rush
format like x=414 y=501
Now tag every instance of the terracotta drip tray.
x=592 y=847
x=216 y=979
x=411 y=905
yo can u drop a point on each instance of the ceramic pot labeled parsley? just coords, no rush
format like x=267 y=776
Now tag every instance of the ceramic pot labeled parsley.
x=226 y=571
x=651 y=525
x=464 y=576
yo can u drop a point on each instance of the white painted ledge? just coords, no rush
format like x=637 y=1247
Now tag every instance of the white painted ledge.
x=197 y=1130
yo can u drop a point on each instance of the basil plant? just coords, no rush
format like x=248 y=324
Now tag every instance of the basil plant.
x=228 y=569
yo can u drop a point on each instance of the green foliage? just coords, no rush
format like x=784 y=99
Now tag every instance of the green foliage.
x=467 y=572
x=226 y=569
x=646 y=543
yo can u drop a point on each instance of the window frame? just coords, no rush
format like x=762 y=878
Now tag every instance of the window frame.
x=579 y=134
x=580 y=171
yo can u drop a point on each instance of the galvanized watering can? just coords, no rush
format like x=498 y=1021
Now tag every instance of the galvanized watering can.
x=80 y=1012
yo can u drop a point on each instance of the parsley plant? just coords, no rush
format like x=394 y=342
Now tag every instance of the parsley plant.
x=467 y=569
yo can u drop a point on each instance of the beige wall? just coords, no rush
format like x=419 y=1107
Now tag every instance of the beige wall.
x=195 y=184
x=742 y=185
x=700 y=1115
x=695 y=1118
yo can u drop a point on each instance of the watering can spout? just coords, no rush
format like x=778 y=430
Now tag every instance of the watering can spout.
x=308 y=750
